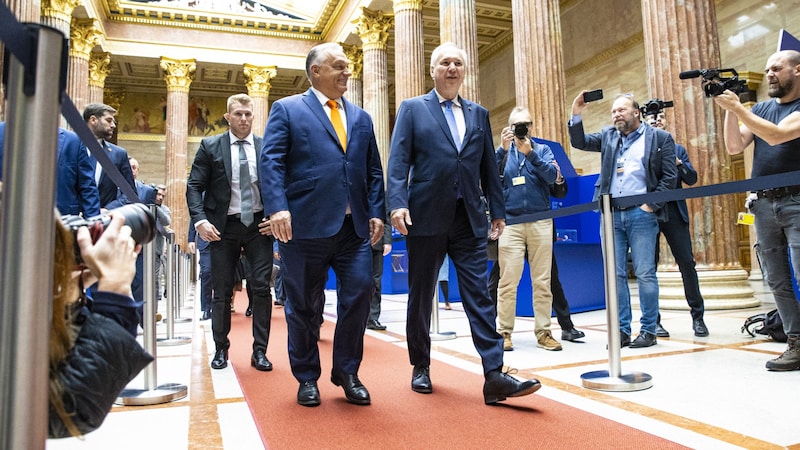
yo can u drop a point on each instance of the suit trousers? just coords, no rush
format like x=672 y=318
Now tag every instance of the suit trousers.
x=206 y=285
x=676 y=231
x=468 y=253
x=535 y=239
x=377 y=276
x=225 y=255
x=306 y=263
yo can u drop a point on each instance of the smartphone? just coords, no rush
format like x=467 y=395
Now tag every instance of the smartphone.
x=592 y=96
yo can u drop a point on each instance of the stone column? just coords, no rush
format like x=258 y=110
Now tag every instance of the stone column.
x=84 y=35
x=57 y=14
x=99 y=68
x=259 y=82
x=409 y=50
x=539 y=58
x=178 y=74
x=24 y=11
x=681 y=35
x=355 y=84
x=458 y=24
x=372 y=27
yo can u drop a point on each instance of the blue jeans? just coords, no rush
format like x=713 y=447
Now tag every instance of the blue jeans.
x=778 y=236
x=636 y=229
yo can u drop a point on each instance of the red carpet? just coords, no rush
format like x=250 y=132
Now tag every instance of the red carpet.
x=454 y=416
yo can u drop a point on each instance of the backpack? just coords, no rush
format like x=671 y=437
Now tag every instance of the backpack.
x=771 y=325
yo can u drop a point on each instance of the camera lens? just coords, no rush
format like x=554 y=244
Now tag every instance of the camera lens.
x=140 y=219
x=521 y=130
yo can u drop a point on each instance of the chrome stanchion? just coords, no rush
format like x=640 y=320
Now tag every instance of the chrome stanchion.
x=437 y=335
x=26 y=234
x=152 y=394
x=169 y=273
x=612 y=379
x=177 y=304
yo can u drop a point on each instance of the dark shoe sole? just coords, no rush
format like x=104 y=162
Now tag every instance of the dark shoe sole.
x=261 y=368
x=353 y=400
x=308 y=402
x=492 y=399
x=219 y=366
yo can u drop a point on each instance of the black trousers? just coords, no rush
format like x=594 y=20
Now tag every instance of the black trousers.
x=676 y=231
x=224 y=259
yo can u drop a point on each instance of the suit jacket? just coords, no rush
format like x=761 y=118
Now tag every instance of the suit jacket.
x=211 y=175
x=109 y=197
x=686 y=174
x=426 y=171
x=307 y=172
x=76 y=190
x=659 y=158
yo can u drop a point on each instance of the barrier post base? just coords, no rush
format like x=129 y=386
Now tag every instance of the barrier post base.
x=178 y=340
x=142 y=397
x=629 y=381
x=443 y=336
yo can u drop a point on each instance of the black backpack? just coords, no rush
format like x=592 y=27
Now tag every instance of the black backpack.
x=770 y=325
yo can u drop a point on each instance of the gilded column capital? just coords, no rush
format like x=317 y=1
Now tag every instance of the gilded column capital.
x=356 y=57
x=259 y=79
x=178 y=73
x=83 y=36
x=99 y=68
x=372 y=27
x=113 y=99
x=407 y=5
x=59 y=9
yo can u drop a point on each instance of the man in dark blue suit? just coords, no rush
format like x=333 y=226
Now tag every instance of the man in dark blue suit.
x=76 y=191
x=323 y=189
x=100 y=119
x=635 y=159
x=676 y=230
x=441 y=162
x=206 y=288
x=226 y=206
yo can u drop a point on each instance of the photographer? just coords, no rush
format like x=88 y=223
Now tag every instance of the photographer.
x=774 y=126
x=526 y=172
x=93 y=348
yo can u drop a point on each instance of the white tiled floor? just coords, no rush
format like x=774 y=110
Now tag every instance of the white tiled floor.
x=710 y=393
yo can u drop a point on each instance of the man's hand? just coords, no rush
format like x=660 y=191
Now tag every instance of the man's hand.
x=523 y=145
x=400 y=219
x=506 y=136
x=208 y=232
x=375 y=230
x=386 y=249
x=112 y=259
x=578 y=105
x=498 y=225
x=281 y=224
x=264 y=227
x=646 y=208
x=191 y=248
x=728 y=100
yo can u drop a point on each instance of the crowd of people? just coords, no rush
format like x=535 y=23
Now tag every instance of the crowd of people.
x=279 y=204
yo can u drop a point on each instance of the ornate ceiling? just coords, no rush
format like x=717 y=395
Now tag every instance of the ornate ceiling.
x=267 y=32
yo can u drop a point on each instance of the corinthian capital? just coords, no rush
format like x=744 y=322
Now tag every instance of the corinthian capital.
x=356 y=57
x=99 y=68
x=403 y=5
x=84 y=34
x=178 y=73
x=259 y=79
x=372 y=27
x=59 y=9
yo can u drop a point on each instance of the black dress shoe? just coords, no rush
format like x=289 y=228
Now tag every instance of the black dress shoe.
x=220 y=360
x=279 y=302
x=308 y=393
x=624 y=339
x=206 y=315
x=248 y=312
x=260 y=362
x=572 y=335
x=699 y=328
x=421 y=380
x=644 y=340
x=354 y=390
x=499 y=385
x=661 y=331
x=375 y=325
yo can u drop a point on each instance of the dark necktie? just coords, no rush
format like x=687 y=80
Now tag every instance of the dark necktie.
x=451 y=122
x=245 y=187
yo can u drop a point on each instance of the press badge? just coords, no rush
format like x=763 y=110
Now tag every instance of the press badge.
x=517 y=181
x=746 y=219
x=621 y=165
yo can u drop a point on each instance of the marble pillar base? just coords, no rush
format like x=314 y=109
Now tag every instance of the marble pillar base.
x=721 y=289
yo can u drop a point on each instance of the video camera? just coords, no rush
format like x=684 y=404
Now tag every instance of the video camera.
x=714 y=83
x=655 y=106
x=137 y=216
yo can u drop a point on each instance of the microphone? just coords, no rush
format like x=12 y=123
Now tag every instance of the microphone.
x=690 y=74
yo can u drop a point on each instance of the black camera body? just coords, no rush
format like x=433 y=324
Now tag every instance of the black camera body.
x=137 y=216
x=655 y=106
x=714 y=83
x=521 y=130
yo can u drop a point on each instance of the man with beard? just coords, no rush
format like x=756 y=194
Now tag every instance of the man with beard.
x=635 y=159
x=774 y=126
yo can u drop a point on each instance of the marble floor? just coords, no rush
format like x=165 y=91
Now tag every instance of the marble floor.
x=707 y=393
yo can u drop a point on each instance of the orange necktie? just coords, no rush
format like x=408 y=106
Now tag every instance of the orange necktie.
x=336 y=120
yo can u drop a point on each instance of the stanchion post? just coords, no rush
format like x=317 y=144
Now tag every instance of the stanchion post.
x=179 y=285
x=437 y=335
x=27 y=236
x=612 y=379
x=170 y=272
